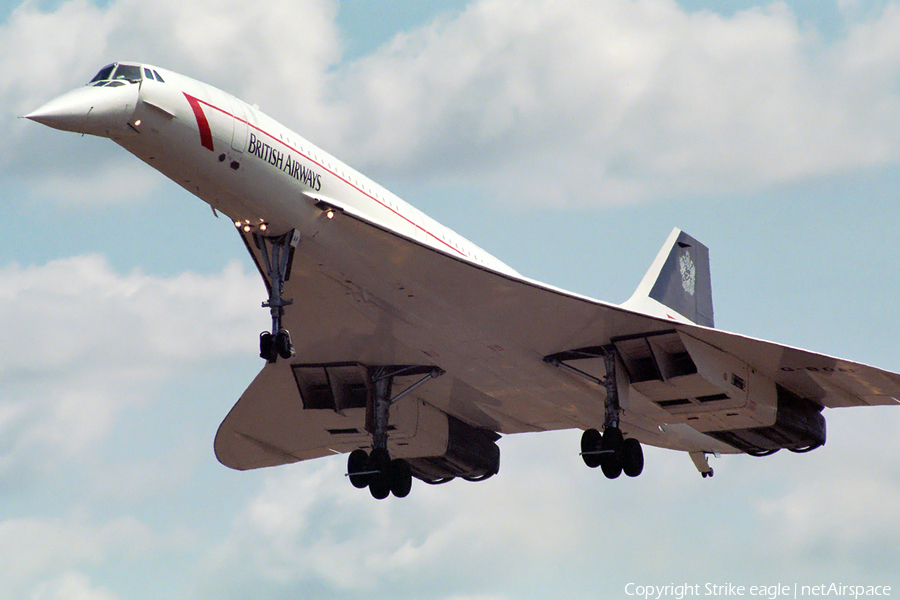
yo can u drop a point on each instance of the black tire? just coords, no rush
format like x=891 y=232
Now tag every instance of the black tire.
x=590 y=442
x=267 y=348
x=401 y=478
x=611 y=445
x=283 y=344
x=632 y=457
x=380 y=482
x=358 y=461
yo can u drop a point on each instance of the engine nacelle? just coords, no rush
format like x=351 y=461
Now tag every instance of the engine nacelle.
x=719 y=395
x=799 y=426
x=338 y=402
x=472 y=453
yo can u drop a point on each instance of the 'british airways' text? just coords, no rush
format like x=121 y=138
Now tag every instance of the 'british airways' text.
x=284 y=161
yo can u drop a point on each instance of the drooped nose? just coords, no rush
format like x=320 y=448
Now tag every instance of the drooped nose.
x=104 y=111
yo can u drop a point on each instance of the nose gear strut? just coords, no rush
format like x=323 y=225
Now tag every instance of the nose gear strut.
x=277 y=254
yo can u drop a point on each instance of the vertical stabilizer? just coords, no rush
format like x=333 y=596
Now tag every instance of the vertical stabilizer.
x=677 y=282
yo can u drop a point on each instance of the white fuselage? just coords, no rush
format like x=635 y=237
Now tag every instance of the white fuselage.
x=253 y=169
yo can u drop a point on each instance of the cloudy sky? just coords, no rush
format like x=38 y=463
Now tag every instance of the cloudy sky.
x=567 y=138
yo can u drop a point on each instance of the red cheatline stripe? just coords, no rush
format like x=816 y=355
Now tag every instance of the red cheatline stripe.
x=206 y=141
x=205 y=133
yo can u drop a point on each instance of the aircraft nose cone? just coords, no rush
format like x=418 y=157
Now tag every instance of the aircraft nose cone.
x=65 y=112
x=103 y=111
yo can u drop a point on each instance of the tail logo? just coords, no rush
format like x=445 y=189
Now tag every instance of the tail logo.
x=688 y=273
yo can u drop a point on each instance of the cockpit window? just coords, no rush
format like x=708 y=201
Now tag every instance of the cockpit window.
x=115 y=75
x=129 y=72
x=151 y=74
x=104 y=73
x=120 y=73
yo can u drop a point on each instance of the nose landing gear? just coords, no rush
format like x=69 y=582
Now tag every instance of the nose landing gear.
x=277 y=253
x=271 y=346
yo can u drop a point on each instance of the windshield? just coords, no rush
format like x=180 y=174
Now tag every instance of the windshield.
x=124 y=73
x=104 y=74
x=129 y=72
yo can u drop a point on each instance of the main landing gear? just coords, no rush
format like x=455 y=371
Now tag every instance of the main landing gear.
x=277 y=253
x=376 y=470
x=610 y=451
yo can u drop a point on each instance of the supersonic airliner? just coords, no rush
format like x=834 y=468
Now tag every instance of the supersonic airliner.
x=412 y=350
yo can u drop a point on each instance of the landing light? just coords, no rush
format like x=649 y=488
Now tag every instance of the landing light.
x=326 y=208
x=246 y=226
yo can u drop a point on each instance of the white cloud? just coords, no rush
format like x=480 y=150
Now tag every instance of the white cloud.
x=96 y=367
x=71 y=585
x=250 y=49
x=71 y=312
x=246 y=48
x=39 y=556
x=296 y=531
x=547 y=522
x=43 y=53
x=805 y=517
x=609 y=102
x=840 y=506
x=82 y=343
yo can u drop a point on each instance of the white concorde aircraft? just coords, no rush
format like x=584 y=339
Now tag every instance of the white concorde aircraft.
x=413 y=350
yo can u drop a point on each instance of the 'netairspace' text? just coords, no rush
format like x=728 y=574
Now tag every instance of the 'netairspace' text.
x=770 y=592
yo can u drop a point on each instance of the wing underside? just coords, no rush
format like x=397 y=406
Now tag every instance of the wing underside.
x=396 y=302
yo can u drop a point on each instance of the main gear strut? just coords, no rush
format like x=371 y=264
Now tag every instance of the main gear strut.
x=377 y=470
x=610 y=450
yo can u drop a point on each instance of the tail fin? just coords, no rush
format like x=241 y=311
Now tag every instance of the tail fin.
x=678 y=281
